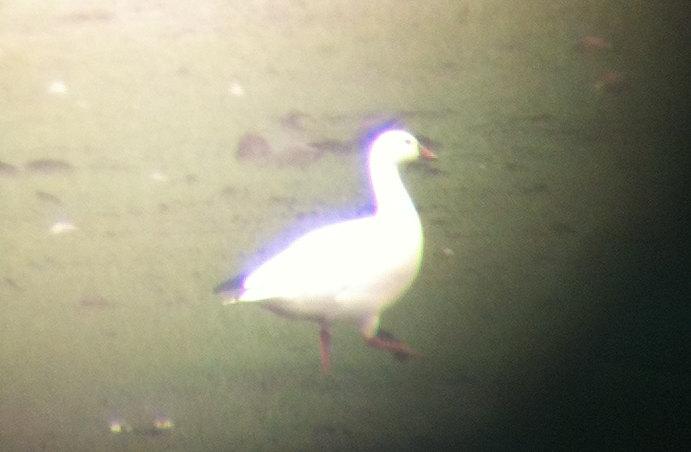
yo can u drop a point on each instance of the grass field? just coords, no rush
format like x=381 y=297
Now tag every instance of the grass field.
x=551 y=221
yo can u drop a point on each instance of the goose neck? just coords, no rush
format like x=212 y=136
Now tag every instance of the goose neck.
x=391 y=196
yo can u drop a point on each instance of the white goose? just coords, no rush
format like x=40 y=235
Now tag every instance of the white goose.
x=351 y=270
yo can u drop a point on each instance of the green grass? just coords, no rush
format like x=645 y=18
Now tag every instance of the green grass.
x=529 y=175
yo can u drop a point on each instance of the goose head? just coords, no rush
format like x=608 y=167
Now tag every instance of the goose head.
x=397 y=146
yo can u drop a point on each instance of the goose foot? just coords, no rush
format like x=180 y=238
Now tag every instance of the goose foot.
x=386 y=341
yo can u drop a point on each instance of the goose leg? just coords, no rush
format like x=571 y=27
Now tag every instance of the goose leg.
x=325 y=348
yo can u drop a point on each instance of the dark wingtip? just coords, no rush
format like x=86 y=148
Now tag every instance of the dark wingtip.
x=231 y=285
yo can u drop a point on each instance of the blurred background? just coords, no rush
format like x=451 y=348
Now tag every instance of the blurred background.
x=149 y=149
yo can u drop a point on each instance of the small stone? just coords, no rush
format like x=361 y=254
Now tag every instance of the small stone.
x=57 y=88
x=158 y=176
x=62 y=227
x=236 y=89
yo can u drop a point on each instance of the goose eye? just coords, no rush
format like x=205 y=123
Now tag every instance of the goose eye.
x=407 y=141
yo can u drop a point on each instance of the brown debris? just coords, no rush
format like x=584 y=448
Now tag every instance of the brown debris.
x=48 y=165
x=252 y=146
x=7 y=169
x=593 y=43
